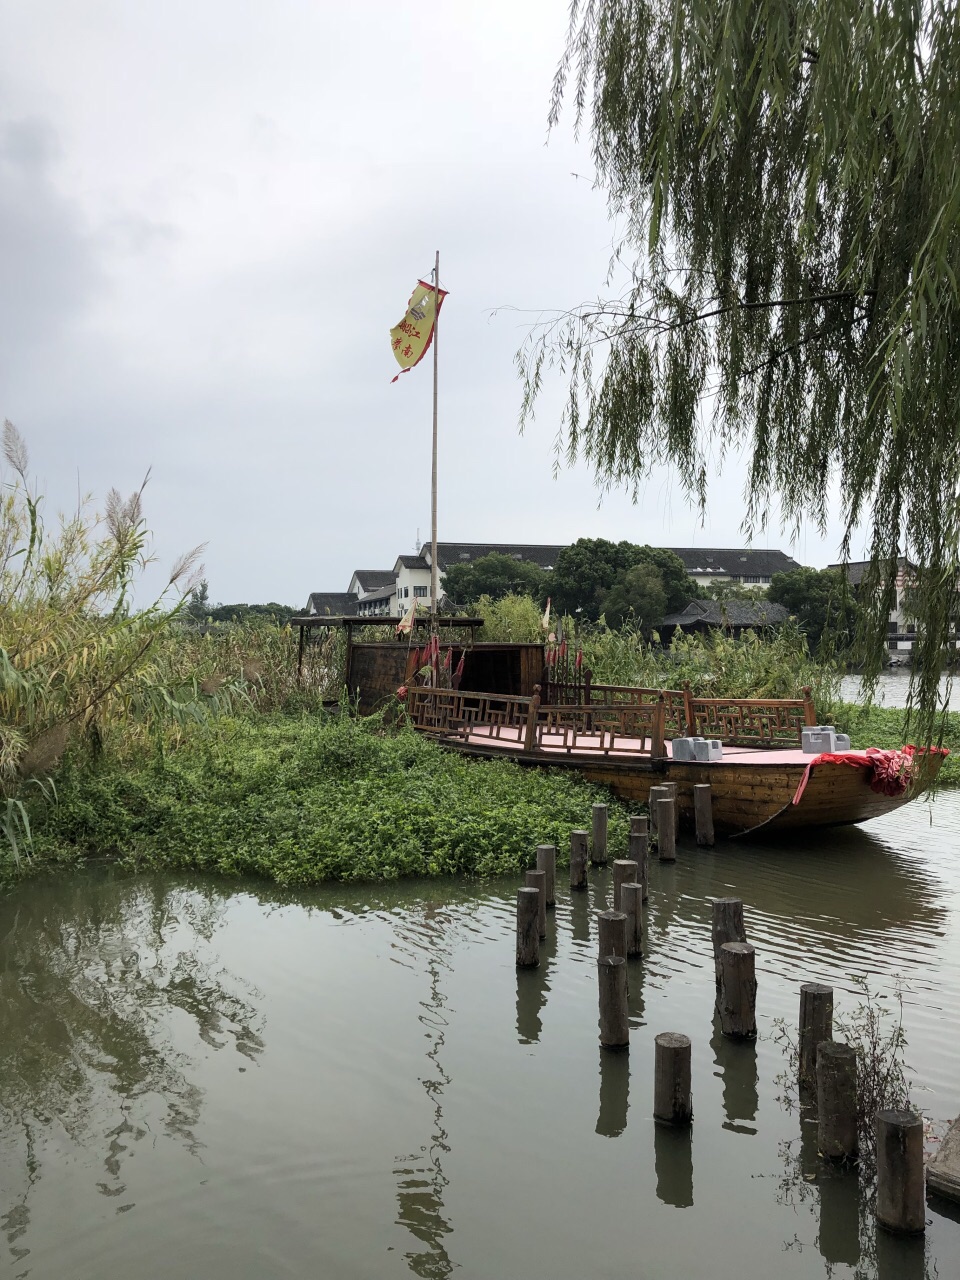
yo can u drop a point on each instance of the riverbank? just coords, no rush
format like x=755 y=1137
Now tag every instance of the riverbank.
x=305 y=799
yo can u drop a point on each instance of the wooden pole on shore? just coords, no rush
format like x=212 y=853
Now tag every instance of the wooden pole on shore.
x=666 y=830
x=727 y=926
x=528 y=928
x=703 y=814
x=614 y=1014
x=434 y=568
x=901 y=1202
x=637 y=849
x=631 y=904
x=612 y=933
x=837 y=1137
x=656 y=793
x=547 y=863
x=538 y=880
x=598 y=851
x=579 y=841
x=672 y=1099
x=816 y=1025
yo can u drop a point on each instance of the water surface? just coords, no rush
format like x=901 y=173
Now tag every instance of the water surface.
x=208 y=1078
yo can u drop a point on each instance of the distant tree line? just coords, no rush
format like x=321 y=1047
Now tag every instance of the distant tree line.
x=199 y=609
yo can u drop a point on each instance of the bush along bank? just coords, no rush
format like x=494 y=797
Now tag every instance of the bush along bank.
x=303 y=800
x=890 y=727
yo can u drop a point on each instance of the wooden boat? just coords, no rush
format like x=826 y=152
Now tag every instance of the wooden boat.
x=764 y=782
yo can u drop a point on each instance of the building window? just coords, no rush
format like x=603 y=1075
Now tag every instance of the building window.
x=892 y=628
x=751 y=577
x=420 y=592
x=406 y=593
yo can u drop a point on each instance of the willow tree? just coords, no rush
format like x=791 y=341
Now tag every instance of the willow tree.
x=785 y=177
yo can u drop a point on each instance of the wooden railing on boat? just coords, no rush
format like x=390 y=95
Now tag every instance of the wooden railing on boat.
x=625 y=728
x=751 y=722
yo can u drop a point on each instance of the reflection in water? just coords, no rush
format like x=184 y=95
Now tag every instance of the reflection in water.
x=737 y=1062
x=532 y=988
x=89 y=976
x=614 y=1093
x=673 y=1156
x=839 y=1238
x=421 y=1178
x=580 y=916
x=901 y=1257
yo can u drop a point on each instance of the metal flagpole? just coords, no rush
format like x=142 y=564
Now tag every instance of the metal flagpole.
x=434 y=576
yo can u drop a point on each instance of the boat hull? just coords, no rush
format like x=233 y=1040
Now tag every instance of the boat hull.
x=746 y=797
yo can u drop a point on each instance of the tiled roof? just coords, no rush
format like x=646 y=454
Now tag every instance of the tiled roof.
x=856 y=569
x=332 y=604
x=383 y=594
x=449 y=553
x=411 y=562
x=727 y=613
x=734 y=561
x=374 y=579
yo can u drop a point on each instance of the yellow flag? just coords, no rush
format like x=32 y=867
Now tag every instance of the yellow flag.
x=411 y=338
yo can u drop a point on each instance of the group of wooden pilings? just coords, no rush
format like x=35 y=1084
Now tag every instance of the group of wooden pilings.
x=827 y=1068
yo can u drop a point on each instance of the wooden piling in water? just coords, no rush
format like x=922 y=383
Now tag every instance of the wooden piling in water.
x=671 y=792
x=598 y=847
x=672 y=1100
x=614 y=1015
x=528 y=928
x=666 y=830
x=631 y=904
x=625 y=870
x=703 y=814
x=612 y=933
x=637 y=848
x=547 y=863
x=538 y=880
x=726 y=926
x=816 y=1025
x=837 y=1101
x=656 y=793
x=579 y=841
x=738 y=991
x=901 y=1202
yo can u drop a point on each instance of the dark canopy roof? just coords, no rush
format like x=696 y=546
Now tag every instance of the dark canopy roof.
x=735 y=561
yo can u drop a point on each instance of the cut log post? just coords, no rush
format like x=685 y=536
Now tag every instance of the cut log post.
x=837 y=1101
x=612 y=931
x=666 y=830
x=901 y=1203
x=631 y=904
x=638 y=824
x=727 y=926
x=656 y=793
x=670 y=792
x=538 y=880
x=625 y=871
x=816 y=1025
x=598 y=850
x=528 y=928
x=738 y=991
x=703 y=813
x=672 y=1101
x=579 y=841
x=614 y=1016
x=547 y=863
x=637 y=850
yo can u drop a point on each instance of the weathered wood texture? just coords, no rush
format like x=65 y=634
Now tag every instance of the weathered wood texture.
x=703 y=814
x=538 y=880
x=614 y=1016
x=816 y=1025
x=547 y=863
x=656 y=792
x=738 y=991
x=579 y=841
x=631 y=904
x=901 y=1203
x=726 y=926
x=637 y=850
x=671 y=791
x=528 y=928
x=638 y=825
x=612 y=933
x=672 y=1099
x=666 y=830
x=624 y=870
x=837 y=1137
x=598 y=845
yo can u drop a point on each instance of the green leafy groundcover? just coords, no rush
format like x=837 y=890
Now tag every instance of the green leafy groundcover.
x=301 y=800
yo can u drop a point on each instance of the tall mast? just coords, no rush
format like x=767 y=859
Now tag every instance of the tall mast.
x=434 y=577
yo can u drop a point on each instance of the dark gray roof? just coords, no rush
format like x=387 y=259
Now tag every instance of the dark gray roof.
x=856 y=569
x=412 y=562
x=374 y=579
x=383 y=594
x=449 y=553
x=334 y=604
x=735 y=561
x=727 y=613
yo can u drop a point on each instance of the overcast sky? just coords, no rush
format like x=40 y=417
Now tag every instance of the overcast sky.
x=210 y=216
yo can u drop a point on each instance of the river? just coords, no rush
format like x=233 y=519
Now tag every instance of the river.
x=210 y=1078
x=893 y=687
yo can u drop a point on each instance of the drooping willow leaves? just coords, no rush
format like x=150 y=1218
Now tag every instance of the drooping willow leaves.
x=786 y=176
